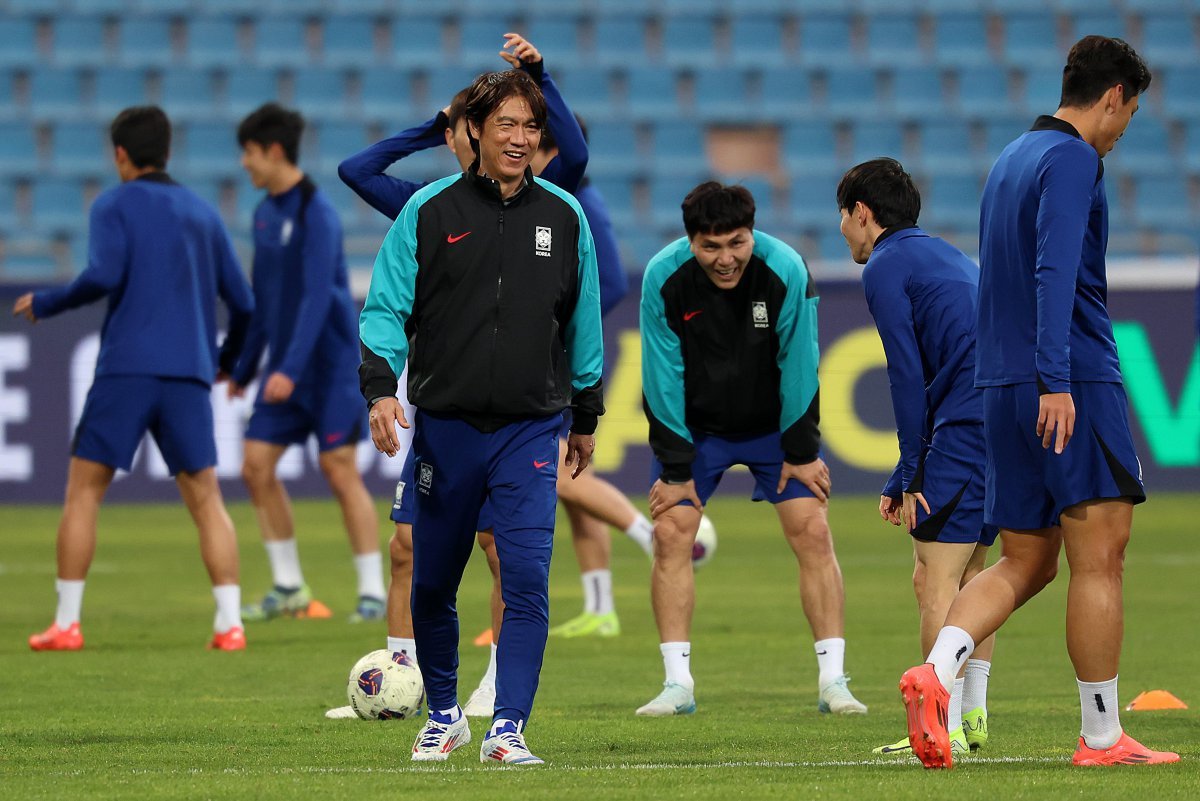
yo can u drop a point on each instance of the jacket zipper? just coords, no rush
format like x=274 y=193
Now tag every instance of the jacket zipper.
x=499 y=296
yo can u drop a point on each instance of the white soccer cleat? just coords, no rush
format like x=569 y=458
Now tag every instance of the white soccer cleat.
x=482 y=703
x=341 y=713
x=675 y=699
x=505 y=743
x=836 y=698
x=439 y=737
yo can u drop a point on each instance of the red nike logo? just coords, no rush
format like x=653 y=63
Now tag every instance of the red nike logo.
x=452 y=239
x=539 y=465
x=689 y=315
x=332 y=438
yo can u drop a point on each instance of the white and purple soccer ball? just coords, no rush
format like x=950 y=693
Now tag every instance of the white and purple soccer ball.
x=385 y=685
x=706 y=543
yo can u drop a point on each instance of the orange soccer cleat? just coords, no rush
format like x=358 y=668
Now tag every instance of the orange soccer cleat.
x=928 y=705
x=1127 y=751
x=232 y=640
x=56 y=639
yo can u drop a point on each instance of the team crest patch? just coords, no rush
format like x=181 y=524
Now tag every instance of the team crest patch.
x=759 y=311
x=399 y=495
x=541 y=241
x=425 y=480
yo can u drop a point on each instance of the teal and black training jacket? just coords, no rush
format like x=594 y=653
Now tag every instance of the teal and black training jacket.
x=493 y=303
x=729 y=362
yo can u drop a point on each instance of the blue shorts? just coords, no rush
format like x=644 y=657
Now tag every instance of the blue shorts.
x=762 y=453
x=951 y=479
x=120 y=409
x=404 y=504
x=336 y=416
x=1029 y=486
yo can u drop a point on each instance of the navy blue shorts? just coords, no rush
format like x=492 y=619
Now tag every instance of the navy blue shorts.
x=762 y=453
x=336 y=416
x=120 y=409
x=951 y=479
x=1029 y=486
x=403 y=505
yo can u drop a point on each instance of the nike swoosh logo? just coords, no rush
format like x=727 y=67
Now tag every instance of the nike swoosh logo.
x=822 y=653
x=540 y=465
x=689 y=653
x=689 y=315
x=452 y=239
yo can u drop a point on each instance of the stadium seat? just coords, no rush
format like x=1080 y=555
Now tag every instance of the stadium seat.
x=189 y=93
x=1169 y=39
x=666 y=193
x=210 y=148
x=813 y=200
x=677 y=146
x=349 y=41
x=1181 y=96
x=946 y=145
x=480 y=39
x=1162 y=201
x=961 y=39
x=160 y=6
x=619 y=41
x=58 y=206
x=320 y=93
x=810 y=145
x=998 y=132
x=18 y=43
x=212 y=41
x=29 y=266
x=1084 y=6
x=281 y=42
x=984 y=91
x=1031 y=40
x=620 y=196
x=443 y=84
x=1145 y=148
x=18 y=151
x=757 y=41
x=652 y=92
x=875 y=138
x=832 y=246
x=81 y=149
x=1155 y=5
x=589 y=92
x=613 y=150
x=336 y=141
x=825 y=40
x=917 y=92
x=766 y=210
x=851 y=91
x=44 y=7
x=557 y=38
x=1191 y=146
x=9 y=222
x=248 y=88
x=721 y=95
x=387 y=96
x=690 y=41
x=893 y=40
x=55 y=92
x=1103 y=23
x=118 y=88
x=145 y=42
x=951 y=201
x=783 y=91
x=365 y=7
x=79 y=42
x=1043 y=90
x=418 y=42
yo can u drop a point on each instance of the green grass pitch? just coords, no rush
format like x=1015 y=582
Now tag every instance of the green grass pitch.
x=145 y=712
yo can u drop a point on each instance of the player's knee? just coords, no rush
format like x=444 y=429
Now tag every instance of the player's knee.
x=257 y=474
x=400 y=552
x=672 y=540
x=810 y=535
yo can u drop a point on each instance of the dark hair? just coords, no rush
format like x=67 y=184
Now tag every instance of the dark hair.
x=458 y=105
x=271 y=123
x=489 y=91
x=714 y=208
x=885 y=188
x=1098 y=63
x=145 y=134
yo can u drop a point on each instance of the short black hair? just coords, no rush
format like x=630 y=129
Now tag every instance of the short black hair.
x=716 y=208
x=145 y=134
x=271 y=123
x=885 y=188
x=1098 y=63
x=489 y=91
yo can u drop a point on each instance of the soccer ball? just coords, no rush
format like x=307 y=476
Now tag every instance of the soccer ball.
x=706 y=543
x=385 y=686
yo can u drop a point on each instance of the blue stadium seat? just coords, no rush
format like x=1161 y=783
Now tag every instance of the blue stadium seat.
x=917 y=92
x=1032 y=40
x=250 y=87
x=757 y=41
x=875 y=138
x=1102 y=23
x=1191 y=146
x=35 y=265
x=281 y=42
x=349 y=41
x=79 y=42
x=851 y=91
x=18 y=43
x=783 y=91
x=1162 y=201
x=213 y=42
x=118 y=88
x=418 y=42
x=145 y=42
x=18 y=150
x=1084 y=6
x=951 y=201
x=678 y=146
x=721 y=95
x=58 y=206
x=1144 y=148
x=619 y=194
x=620 y=40
x=336 y=141
x=279 y=8
x=1181 y=97
x=159 y=6
x=1154 y=5
x=44 y=7
x=984 y=91
x=961 y=39
x=652 y=92
x=813 y=200
x=8 y=210
x=207 y=147
x=589 y=92
x=639 y=246
x=387 y=96
x=557 y=37
x=1169 y=39
x=832 y=246
x=825 y=40
x=613 y=149
x=208 y=189
x=690 y=41
x=810 y=145
x=946 y=145
x=667 y=193
x=55 y=92
x=1043 y=90
x=998 y=132
x=893 y=40
x=81 y=149
x=189 y=93
x=444 y=83
x=480 y=39
x=320 y=93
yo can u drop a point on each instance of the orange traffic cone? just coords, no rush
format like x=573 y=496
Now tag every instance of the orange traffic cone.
x=1155 y=699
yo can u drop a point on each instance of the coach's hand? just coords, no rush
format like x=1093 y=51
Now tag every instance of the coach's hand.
x=24 y=307
x=889 y=509
x=384 y=416
x=523 y=50
x=908 y=510
x=665 y=497
x=580 y=448
x=1056 y=419
x=814 y=475
x=278 y=389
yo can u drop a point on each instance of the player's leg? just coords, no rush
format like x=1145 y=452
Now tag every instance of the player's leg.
x=218 y=548
x=340 y=468
x=599 y=499
x=593 y=547
x=978 y=669
x=399 y=611
x=482 y=703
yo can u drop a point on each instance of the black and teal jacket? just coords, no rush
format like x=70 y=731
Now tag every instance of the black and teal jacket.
x=730 y=363
x=494 y=303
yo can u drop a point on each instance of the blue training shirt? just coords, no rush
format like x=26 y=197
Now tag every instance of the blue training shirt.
x=161 y=255
x=923 y=294
x=1043 y=232
x=614 y=284
x=305 y=316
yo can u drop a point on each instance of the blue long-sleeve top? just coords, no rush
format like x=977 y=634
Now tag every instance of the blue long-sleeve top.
x=305 y=316
x=614 y=283
x=1043 y=291
x=365 y=172
x=162 y=257
x=923 y=294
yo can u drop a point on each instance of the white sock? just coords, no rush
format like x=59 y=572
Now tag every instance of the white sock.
x=370 y=574
x=975 y=690
x=950 y=653
x=229 y=607
x=454 y=713
x=1101 y=726
x=70 y=601
x=489 y=676
x=955 y=712
x=404 y=645
x=831 y=657
x=641 y=531
x=597 y=591
x=677 y=660
x=285 y=563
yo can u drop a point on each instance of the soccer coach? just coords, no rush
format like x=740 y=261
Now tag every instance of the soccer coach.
x=487 y=284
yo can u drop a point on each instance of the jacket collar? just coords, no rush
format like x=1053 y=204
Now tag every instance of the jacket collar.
x=490 y=187
x=1049 y=123
x=156 y=176
x=894 y=229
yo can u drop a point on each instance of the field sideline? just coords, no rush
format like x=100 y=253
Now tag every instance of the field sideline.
x=145 y=712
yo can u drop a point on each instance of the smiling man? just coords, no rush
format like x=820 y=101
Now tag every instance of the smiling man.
x=487 y=286
x=729 y=372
